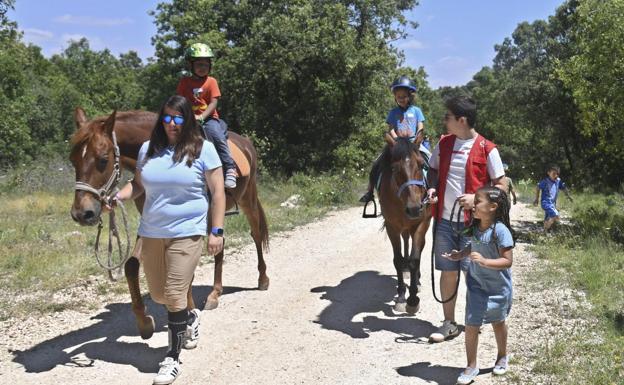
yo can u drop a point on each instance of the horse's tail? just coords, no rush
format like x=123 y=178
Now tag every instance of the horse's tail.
x=264 y=227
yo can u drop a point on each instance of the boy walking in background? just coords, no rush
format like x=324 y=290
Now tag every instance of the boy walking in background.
x=511 y=193
x=550 y=187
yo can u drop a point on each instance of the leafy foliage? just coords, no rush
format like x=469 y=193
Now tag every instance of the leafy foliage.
x=307 y=78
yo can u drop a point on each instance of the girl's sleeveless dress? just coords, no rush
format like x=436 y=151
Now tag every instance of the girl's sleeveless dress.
x=489 y=293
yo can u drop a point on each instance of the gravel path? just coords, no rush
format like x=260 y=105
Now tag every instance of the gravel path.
x=326 y=319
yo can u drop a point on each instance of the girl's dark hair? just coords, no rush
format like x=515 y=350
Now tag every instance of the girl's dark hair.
x=190 y=141
x=498 y=196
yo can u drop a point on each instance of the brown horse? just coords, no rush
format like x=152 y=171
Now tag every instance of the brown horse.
x=402 y=196
x=97 y=163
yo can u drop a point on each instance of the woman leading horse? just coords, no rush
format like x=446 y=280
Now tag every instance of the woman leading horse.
x=100 y=147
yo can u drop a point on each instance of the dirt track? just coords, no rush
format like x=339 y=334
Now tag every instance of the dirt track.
x=326 y=319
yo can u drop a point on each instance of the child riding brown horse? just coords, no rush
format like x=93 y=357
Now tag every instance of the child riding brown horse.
x=97 y=162
x=402 y=196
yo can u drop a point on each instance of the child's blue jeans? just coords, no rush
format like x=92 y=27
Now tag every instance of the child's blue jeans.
x=216 y=131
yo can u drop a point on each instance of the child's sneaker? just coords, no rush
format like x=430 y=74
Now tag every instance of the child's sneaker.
x=467 y=376
x=169 y=371
x=191 y=337
x=445 y=332
x=501 y=365
x=230 y=178
x=367 y=197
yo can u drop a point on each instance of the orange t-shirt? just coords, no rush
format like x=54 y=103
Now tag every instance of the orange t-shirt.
x=199 y=92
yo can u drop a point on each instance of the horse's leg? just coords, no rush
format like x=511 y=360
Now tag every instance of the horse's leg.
x=190 y=304
x=217 y=289
x=418 y=243
x=406 y=236
x=259 y=229
x=145 y=322
x=395 y=240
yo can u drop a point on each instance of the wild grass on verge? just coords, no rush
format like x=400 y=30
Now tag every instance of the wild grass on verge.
x=585 y=254
x=42 y=250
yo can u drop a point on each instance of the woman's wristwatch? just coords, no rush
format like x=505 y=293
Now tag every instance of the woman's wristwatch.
x=217 y=231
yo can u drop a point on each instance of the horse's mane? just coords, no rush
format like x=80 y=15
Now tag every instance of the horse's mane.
x=81 y=137
x=86 y=133
x=402 y=148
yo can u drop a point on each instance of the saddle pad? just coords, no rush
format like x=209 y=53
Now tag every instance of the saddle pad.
x=240 y=159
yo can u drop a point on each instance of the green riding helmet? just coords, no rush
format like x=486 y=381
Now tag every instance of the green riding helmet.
x=199 y=51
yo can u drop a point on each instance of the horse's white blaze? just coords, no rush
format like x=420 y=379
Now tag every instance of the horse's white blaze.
x=84 y=151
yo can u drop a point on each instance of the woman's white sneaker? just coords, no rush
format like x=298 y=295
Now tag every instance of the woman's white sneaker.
x=169 y=371
x=191 y=337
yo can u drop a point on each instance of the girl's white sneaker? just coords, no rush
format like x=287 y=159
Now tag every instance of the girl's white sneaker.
x=500 y=366
x=467 y=378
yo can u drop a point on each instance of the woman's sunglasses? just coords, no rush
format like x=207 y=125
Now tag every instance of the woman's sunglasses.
x=177 y=119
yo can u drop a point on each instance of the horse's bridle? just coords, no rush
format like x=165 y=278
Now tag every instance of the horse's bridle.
x=414 y=182
x=107 y=189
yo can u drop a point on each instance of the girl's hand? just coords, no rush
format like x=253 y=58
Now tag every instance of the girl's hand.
x=467 y=201
x=215 y=244
x=478 y=259
x=454 y=255
x=431 y=195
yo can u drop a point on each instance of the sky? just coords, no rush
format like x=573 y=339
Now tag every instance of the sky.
x=454 y=39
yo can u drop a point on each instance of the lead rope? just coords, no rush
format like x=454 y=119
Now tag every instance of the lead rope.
x=113 y=232
x=458 y=234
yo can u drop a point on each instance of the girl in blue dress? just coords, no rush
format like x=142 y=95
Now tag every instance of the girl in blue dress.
x=488 y=280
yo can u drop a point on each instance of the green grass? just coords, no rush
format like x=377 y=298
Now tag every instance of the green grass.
x=42 y=250
x=585 y=255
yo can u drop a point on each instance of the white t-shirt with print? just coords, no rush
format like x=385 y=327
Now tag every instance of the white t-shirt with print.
x=456 y=178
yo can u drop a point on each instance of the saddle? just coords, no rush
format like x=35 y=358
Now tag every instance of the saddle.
x=242 y=164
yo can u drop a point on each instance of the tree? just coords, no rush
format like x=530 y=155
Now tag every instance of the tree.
x=524 y=107
x=595 y=74
x=305 y=78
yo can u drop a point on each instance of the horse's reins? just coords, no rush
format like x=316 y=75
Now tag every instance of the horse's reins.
x=103 y=194
x=457 y=233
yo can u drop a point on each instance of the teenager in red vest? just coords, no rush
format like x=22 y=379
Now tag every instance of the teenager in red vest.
x=460 y=163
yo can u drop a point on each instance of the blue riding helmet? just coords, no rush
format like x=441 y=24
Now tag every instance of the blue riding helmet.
x=403 y=82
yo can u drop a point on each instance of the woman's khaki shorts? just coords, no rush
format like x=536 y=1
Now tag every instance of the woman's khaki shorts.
x=169 y=265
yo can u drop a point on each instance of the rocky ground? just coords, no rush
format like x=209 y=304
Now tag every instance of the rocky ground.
x=326 y=319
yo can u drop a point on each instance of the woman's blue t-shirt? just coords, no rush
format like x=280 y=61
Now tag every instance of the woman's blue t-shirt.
x=176 y=200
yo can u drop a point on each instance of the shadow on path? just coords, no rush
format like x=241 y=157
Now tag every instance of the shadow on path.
x=437 y=373
x=100 y=342
x=367 y=292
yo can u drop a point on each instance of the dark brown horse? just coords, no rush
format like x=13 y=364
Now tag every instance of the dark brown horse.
x=402 y=196
x=94 y=159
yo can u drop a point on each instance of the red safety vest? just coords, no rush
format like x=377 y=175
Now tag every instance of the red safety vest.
x=476 y=168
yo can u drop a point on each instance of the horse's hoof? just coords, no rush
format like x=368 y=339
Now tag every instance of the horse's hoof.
x=412 y=309
x=146 y=327
x=399 y=307
x=211 y=304
x=263 y=284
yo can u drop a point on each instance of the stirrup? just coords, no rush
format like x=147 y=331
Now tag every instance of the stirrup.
x=374 y=214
